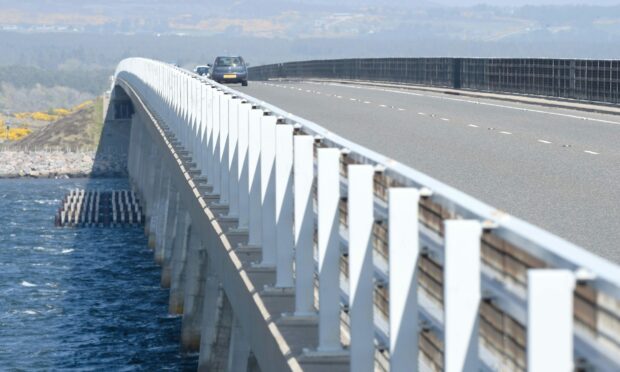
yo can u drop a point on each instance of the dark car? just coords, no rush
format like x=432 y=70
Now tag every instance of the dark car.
x=230 y=70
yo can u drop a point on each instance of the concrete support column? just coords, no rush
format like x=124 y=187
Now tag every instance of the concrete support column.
x=194 y=292
x=169 y=222
x=174 y=220
x=156 y=203
x=239 y=352
x=216 y=328
x=178 y=263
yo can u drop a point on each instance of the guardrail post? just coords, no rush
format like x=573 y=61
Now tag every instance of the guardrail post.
x=550 y=320
x=242 y=156
x=303 y=175
x=208 y=137
x=268 y=192
x=361 y=271
x=224 y=123
x=214 y=172
x=202 y=143
x=254 y=178
x=233 y=166
x=403 y=237
x=284 y=206
x=461 y=294
x=328 y=183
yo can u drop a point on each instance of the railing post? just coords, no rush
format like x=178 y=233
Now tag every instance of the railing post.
x=243 y=168
x=233 y=166
x=254 y=179
x=303 y=175
x=268 y=190
x=214 y=172
x=550 y=320
x=284 y=206
x=403 y=237
x=361 y=271
x=328 y=182
x=461 y=294
x=224 y=171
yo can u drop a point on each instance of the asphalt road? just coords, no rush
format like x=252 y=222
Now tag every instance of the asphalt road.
x=556 y=168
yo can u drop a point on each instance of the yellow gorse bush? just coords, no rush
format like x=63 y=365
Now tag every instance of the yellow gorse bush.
x=53 y=114
x=13 y=134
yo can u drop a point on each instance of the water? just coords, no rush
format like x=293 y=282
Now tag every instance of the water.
x=79 y=299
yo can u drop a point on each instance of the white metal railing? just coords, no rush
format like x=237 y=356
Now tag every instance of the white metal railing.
x=448 y=281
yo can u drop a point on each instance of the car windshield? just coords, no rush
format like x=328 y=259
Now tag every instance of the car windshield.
x=228 y=61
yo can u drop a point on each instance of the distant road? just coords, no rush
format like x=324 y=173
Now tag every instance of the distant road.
x=556 y=168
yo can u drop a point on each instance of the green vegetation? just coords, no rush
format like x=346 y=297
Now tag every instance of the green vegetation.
x=81 y=128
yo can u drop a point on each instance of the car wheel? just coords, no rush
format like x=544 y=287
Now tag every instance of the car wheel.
x=244 y=83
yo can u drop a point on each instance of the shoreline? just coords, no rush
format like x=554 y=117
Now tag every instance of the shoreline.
x=61 y=164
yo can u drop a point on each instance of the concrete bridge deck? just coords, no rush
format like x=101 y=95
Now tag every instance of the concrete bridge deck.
x=288 y=247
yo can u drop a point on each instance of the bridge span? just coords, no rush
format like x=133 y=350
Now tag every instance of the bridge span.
x=289 y=247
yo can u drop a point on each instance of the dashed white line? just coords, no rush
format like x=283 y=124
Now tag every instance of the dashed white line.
x=352 y=99
x=444 y=119
x=367 y=102
x=484 y=104
x=544 y=141
x=421 y=113
x=504 y=132
x=401 y=109
x=473 y=125
x=382 y=106
x=591 y=152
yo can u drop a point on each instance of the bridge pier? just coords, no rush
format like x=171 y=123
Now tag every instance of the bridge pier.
x=178 y=265
x=193 y=306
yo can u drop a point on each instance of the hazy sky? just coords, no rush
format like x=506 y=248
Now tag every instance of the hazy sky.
x=525 y=2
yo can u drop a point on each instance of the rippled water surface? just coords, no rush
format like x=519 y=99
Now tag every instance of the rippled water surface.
x=78 y=299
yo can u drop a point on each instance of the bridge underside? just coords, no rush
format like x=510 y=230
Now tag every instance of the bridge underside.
x=231 y=312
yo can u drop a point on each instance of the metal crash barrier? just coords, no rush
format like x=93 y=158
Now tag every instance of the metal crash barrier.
x=580 y=79
x=401 y=269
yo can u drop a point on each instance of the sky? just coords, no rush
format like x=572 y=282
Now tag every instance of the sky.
x=524 y=2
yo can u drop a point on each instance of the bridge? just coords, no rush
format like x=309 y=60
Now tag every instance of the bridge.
x=287 y=246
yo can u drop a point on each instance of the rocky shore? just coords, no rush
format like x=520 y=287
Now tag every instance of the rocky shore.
x=61 y=164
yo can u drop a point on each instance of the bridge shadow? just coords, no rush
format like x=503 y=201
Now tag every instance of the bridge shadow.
x=110 y=160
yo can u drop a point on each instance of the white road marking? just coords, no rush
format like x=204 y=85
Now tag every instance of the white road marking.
x=591 y=152
x=578 y=117
x=382 y=106
x=352 y=99
x=445 y=119
x=473 y=125
x=401 y=109
x=504 y=132
x=421 y=113
x=543 y=141
x=367 y=102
